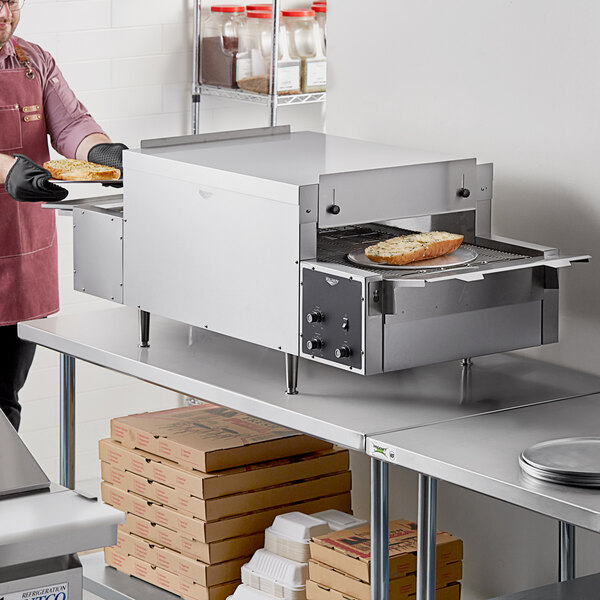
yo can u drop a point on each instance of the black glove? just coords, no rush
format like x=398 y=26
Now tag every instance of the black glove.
x=110 y=155
x=28 y=182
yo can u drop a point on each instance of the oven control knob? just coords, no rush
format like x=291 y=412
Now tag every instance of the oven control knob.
x=316 y=316
x=314 y=344
x=464 y=192
x=343 y=352
x=334 y=209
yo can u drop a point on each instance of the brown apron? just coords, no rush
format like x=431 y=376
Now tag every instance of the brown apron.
x=28 y=250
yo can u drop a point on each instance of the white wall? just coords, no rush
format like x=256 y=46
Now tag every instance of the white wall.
x=129 y=61
x=515 y=83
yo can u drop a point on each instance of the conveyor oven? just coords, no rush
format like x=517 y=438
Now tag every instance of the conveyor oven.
x=259 y=235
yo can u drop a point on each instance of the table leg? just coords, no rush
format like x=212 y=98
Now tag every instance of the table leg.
x=426 y=538
x=380 y=528
x=566 y=551
x=67 y=421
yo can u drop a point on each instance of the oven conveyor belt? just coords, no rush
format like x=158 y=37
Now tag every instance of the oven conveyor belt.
x=334 y=245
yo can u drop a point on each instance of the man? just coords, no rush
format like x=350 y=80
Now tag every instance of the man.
x=35 y=101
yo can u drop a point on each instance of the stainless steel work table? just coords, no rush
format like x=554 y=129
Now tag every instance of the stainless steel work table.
x=481 y=453
x=342 y=407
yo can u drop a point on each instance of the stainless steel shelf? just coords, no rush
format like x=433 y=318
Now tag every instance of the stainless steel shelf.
x=210 y=90
x=332 y=404
x=582 y=588
x=110 y=584
x=481 y=453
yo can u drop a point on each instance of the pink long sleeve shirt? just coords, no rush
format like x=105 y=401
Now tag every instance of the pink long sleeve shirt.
x=67 y=120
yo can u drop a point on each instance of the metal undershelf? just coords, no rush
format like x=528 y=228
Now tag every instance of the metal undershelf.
x=243 y=96
x=110 y=584
x=582 y=588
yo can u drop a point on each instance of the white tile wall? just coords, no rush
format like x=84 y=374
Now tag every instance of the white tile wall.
x=129 y=61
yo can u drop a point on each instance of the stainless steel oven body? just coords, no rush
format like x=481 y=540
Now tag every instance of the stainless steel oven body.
x=247 y=234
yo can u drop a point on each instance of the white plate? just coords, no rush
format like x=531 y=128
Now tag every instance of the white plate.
x=63 y=181
x=461 y=256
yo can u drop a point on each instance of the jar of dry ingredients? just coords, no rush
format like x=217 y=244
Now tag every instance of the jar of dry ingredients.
x=321 y=18
x=220 y=35
x=305 y=44
x=254 y=57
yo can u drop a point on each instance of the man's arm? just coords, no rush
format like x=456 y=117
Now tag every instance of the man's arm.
x=88 y=143
x=6 y=163
x=105 y=152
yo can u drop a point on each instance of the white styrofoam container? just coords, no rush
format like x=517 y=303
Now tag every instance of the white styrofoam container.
x=245 y=592
x=338 y=520
x=290 y=534
x=276 y=575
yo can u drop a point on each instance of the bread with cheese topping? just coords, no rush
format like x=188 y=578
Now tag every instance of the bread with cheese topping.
x=414 y=247
x=74 y=170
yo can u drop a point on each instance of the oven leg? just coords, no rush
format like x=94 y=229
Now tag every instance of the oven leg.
x=291 y=374
x=426 y=538
x=566 y=551
x=380 y=530
x=144 y=329
x=67 y=421
x=465 y=380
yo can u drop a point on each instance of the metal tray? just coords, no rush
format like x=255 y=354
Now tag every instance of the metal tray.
x=461 y=256
x=63 y=181
x=567 y=461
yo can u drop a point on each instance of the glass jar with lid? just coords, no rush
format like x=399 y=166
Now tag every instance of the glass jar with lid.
x=254 y=57
x=259 y=7
x=321 y=18
x=305 y=45
x=220 y=40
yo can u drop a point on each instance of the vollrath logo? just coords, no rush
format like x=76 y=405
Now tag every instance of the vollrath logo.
x=389 y=453
x=331 y=281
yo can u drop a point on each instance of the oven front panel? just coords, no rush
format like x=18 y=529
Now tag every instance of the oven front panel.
x=332 y=319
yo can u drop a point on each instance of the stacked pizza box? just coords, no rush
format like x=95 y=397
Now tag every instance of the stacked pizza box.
x=340 y=564
x=199 y=485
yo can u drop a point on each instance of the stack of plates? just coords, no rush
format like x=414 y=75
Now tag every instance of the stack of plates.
x=567 y=461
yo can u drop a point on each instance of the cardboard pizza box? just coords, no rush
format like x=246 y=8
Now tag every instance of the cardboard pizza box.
x=227 y=506
x=217 y=530
x=361 y=590
x=175 y=562
x=317 y=591
x=210 y=438
x=226 y=482
x=210 y=553
x=181 y=586
x=349 y=551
